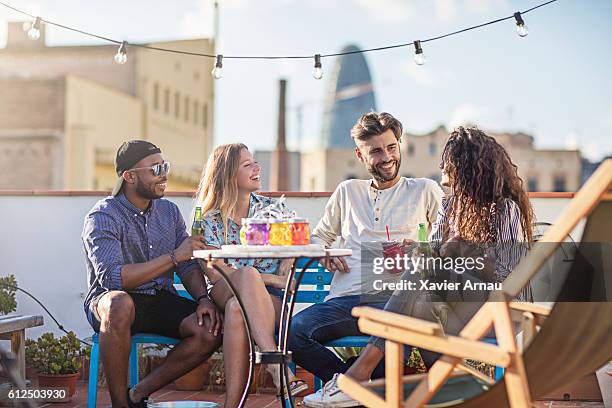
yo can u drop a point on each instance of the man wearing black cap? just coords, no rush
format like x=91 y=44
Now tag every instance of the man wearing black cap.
x=134 y=242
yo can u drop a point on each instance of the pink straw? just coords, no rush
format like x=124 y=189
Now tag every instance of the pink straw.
x=388 y=236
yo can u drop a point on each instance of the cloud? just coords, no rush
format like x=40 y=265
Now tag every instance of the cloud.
x=445 y=10
x=486 y=6
x=387 y=11
x=484 y=117
x=419 y=74
x=199 y=21
x=401 y=11
x=571 y=141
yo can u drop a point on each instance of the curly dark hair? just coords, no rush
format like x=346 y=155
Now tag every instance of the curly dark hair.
x=482 y=177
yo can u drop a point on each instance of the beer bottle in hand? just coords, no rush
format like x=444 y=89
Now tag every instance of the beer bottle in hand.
x=196 y=227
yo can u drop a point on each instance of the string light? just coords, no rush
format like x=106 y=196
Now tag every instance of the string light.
x=419 y=57
x=34 y=30
x=217 y=71
x=521 y=28
x=317 y=72
x=121 y=55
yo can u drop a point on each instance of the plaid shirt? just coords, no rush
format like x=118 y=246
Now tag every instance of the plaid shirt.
x=116 y=233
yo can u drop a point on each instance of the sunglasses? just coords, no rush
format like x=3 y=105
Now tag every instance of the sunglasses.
x=158 y=169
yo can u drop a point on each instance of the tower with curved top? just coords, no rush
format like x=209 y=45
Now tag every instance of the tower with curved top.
x=350 y=95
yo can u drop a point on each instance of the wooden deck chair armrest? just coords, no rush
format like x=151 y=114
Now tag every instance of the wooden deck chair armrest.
x=531 y=307
x=454 y=346
x=397 y=320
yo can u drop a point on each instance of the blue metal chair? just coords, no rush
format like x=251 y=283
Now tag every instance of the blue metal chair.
x=139 y=338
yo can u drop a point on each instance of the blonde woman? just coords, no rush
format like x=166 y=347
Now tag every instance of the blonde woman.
x=226 y=195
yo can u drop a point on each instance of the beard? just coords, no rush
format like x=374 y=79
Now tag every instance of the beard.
x=147 y=191
x=379 y=175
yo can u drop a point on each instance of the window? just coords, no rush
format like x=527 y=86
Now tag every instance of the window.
x=177 y=104
x=559 y=183
x=187 y=109
x=166 y=100
x=410 y=149
x=156 y=96
x=196 y=112
x=432 y=149
x=532 y=184
x=205 y=115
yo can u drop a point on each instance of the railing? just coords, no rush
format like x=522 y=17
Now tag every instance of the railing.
x=40 y=243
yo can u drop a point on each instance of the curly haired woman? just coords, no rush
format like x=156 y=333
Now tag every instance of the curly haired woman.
x=486 y=206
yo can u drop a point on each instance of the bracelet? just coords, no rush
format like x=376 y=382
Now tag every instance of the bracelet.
x=173 y=259
x=202 y=297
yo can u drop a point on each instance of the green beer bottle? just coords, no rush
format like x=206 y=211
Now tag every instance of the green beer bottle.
x=425 y=250
x=423 y=242
x=196 y=227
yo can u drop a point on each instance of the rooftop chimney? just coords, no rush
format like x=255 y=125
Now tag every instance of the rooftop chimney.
x=279 y=168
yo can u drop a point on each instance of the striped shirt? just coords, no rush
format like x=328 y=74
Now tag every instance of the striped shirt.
x=116 y=233
x=509 y=244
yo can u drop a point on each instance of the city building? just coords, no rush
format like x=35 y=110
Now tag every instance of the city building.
x=350 y=95
x=64 y=110
x=540 y=169
x=264 y=158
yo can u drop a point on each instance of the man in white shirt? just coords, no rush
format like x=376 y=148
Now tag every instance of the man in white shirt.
x=360 y=212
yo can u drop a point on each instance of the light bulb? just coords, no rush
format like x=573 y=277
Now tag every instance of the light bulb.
x=34 y=31
x=419 y=57
x=121 y=55
x=217 y=71
x=521 y=28
x=317 y=71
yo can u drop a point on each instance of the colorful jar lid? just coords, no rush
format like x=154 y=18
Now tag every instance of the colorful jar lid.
x=254 y=221
x=298 y=220
x=278 y=221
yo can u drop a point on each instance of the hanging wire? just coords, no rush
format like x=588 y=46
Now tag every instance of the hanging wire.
x=275 y=57
x=59 y=326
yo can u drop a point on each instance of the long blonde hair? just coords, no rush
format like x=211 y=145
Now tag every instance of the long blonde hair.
x=218 y=189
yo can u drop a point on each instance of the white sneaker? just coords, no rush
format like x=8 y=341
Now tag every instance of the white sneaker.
x=330 y=396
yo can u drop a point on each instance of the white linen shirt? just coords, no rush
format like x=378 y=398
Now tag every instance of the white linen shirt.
x=357 y=213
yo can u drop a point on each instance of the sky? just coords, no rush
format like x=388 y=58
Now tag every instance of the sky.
x=555 y=83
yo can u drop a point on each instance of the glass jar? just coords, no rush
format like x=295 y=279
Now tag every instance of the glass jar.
x=256 y=232
x=300 y=231
x=243 y=229
x=280 y=233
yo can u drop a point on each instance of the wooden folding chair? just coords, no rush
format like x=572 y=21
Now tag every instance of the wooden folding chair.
x=574 y=339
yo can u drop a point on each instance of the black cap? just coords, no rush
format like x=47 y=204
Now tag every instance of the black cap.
x=130 y=153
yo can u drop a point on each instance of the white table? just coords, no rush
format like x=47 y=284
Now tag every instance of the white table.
x=312 y=252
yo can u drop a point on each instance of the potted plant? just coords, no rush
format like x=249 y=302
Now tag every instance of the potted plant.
x=57 y=360
x=8 y=304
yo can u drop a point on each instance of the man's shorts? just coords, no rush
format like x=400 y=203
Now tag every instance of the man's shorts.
x=161 y=313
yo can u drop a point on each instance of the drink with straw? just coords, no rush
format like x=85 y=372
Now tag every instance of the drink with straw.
x=391 y=249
